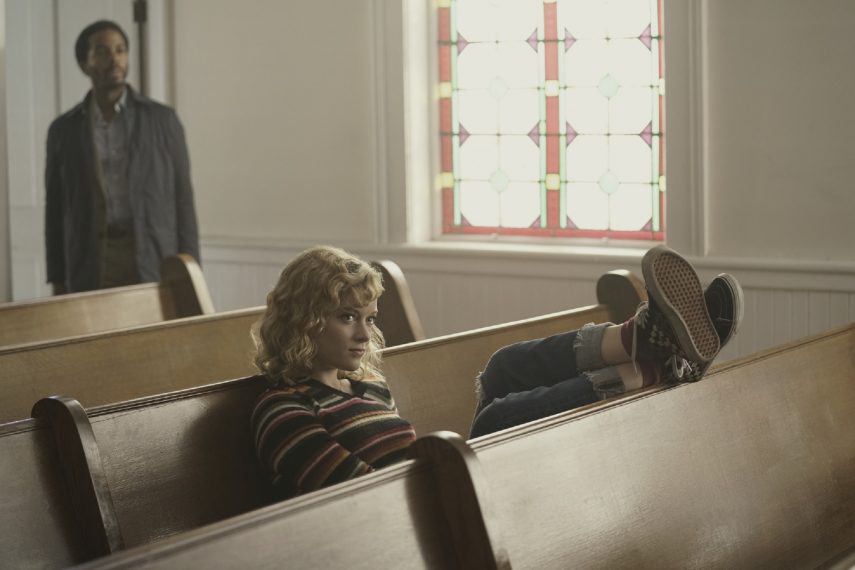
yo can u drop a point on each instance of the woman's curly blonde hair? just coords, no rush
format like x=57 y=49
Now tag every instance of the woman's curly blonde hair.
x=310 y=289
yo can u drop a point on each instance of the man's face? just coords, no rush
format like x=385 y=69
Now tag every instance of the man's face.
x=107 y=60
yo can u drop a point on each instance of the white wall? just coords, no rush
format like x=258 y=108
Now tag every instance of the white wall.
x=294 y=112
x=781 y=159
x=279 y=105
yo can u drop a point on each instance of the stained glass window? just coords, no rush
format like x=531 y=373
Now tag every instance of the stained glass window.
x=551 y=118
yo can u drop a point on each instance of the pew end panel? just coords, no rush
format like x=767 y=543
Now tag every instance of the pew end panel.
x=85 y=482
x=397 y=317
x=56 y=504
x=621 y=291
x=753 y=467
x=184 y=287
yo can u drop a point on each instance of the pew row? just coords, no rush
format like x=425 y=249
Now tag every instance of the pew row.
x=754 y=467
x=181 y=292
x=427 y=512
x=181 y=460
x=120 y=365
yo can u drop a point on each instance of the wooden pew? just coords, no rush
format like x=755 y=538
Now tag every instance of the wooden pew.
x=187 y=447
x=753 y=467
x=431 y=512
x=396 y=311
x=178 y=461
x=182 y=292
x=130 y=363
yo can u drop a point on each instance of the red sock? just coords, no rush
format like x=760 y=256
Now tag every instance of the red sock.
x=626 y=330
x=651 y=373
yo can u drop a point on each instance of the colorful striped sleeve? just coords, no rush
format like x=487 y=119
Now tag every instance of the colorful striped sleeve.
x=295 y=447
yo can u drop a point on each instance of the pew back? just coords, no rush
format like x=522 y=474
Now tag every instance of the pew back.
x=319 y=534
x=119 y=365
x=423 y=514
x=131 y=363
x=754 y=467
x=182 y=292
x=178 y=461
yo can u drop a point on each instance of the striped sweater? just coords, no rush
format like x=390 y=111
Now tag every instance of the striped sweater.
x=310 y=435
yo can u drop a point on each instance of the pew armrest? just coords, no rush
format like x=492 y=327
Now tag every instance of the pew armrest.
x=182 y=275
x=463 y=492
x=621 y=291
x=86 y=481
x=397 y=317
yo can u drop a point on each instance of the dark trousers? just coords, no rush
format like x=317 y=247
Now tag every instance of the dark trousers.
x=119 y=266
x=530 y=380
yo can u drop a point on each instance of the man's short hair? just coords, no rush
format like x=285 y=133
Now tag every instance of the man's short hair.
x=81 y=46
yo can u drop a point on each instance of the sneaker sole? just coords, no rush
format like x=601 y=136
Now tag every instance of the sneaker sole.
x=675 y=288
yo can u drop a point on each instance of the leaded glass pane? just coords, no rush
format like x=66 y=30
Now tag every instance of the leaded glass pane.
x=551 y=117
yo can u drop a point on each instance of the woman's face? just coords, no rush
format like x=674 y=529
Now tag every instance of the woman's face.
x=344 y=340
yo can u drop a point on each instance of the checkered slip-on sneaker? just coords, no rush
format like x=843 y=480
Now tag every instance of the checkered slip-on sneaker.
x=675 y=321
x=678 y=369
x=725 y=305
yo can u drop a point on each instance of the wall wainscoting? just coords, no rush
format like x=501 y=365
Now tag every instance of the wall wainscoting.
x=456 y=288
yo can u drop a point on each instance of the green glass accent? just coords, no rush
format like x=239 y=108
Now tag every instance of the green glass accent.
x=654 y=196
x=541 y=76
x=498 y=88
x=455 y=160
x=608 y=86
x=499 y=181
x=608 y=183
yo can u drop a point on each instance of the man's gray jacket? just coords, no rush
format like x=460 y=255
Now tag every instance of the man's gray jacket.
x=161 y=195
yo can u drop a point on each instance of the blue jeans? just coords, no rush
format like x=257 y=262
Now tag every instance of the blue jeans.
x=534 y=379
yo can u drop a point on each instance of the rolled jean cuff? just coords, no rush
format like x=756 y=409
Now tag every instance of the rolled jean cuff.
x=588 y=347
x=606 y=381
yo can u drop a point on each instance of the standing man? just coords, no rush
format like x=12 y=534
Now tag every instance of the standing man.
x=119 y=197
